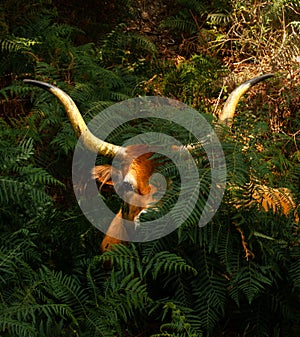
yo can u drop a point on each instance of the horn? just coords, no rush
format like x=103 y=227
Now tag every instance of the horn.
x=90 y=141
x=228 y=111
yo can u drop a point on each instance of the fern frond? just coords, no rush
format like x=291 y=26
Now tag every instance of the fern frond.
x=16 y=327
x=179 y=24
x=294 y=272
x=167 y=262
x=125 y=257
x=182 y=324
x=11 y=189
x=17 y=44
x=65 y=289
x=219 y=18
x=249 y=281
x=17 y=317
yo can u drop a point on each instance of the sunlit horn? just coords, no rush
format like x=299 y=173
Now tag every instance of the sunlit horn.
x=226 y=117
x=90 y=141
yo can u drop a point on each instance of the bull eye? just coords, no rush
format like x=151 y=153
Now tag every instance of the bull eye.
x=127 y=187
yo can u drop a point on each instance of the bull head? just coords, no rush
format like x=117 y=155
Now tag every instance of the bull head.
x=136 y=170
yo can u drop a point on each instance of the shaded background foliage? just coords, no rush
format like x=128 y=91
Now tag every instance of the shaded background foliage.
x=194 y=282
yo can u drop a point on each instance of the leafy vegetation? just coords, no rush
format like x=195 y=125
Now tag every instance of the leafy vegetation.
x=195 y=281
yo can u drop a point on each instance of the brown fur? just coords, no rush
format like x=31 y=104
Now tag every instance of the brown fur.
x=140 y=165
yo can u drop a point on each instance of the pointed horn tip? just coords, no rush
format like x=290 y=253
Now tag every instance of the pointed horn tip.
x=260 y=78
x=40 y=84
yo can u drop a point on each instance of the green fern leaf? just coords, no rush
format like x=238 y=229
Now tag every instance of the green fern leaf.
x=167 y=262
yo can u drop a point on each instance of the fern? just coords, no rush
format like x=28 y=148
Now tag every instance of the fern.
x=218 y=19
x=249 y=282
x=119 y=44
x=19 y=177
x=179 y=24
x=196 y=78
x=294 y=272
x=168 y=263
x=125 y=258
x=17 y=328
x=179 y=326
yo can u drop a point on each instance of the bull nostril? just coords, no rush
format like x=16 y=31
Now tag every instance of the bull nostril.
x=127 y=187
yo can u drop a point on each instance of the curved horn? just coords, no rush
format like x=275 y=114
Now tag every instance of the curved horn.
x=90 y=141
x=228 y=111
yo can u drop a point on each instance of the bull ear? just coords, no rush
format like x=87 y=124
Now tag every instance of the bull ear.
x=102 y=174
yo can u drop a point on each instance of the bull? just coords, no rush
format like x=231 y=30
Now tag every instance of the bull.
x=136 y=170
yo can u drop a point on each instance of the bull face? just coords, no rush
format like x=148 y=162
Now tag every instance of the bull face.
x=132 y=183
